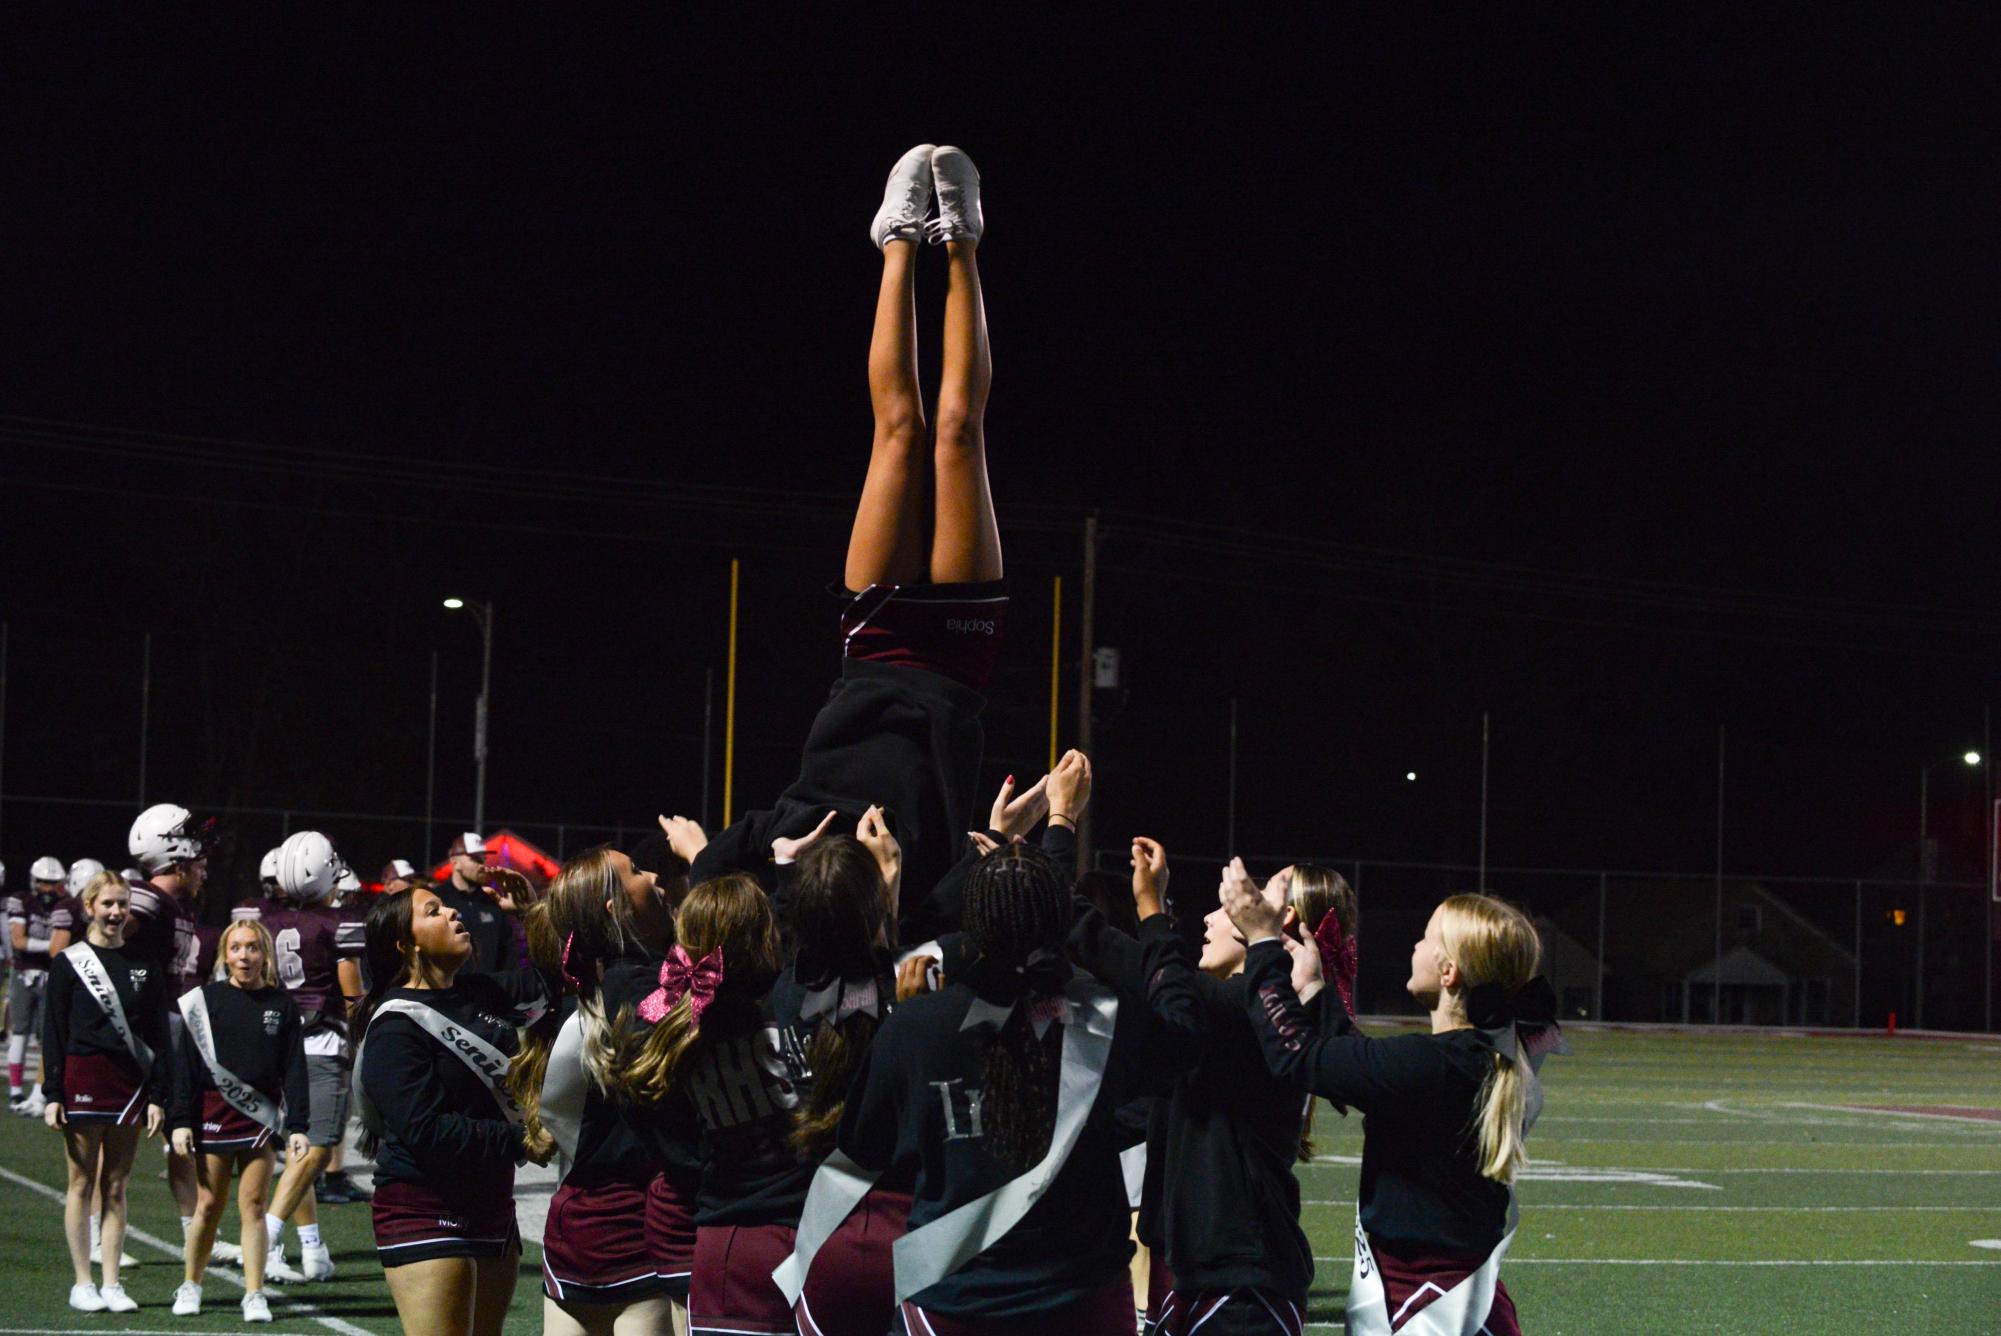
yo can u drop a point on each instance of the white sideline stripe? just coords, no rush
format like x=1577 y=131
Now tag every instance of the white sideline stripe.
x=1538 y=1206
x=1734 y=1261
x=1898 y=1113
x=1611 y=1169
x=235 y=1278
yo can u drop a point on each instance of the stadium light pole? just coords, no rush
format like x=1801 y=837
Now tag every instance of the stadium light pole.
x=484 y=613
x=1927 y=869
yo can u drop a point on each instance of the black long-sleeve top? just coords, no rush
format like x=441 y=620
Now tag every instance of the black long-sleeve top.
x=609 y=1148
x=1421 y=1180
x=1227 y=1136
x=669 y=1128
x=74 y=1025
x=913 y=1103
x=259 y=1038
x=441 y=1124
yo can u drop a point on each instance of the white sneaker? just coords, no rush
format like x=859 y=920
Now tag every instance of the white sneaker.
x=317 y=1263
x=256 y=1308
x=33 y=1105
x=906 y=199
x=958 y=185
x=85 y=1298
x=117 y=1300
x=187 y=1299
x=275 y=1268
x=229 y=1254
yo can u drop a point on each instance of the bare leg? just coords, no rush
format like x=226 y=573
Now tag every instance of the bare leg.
x=965 y=537
x=493 y=1291
x=253 y=1197
x=121 y=1145
x=294 y=1193
x=80 y=1149
x=184 y=1181
x=887 y=543
x=678 y=1311
x=215 y=1171
x=433 y=1298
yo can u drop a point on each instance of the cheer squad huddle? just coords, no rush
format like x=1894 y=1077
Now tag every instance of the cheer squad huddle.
x=848 y=1068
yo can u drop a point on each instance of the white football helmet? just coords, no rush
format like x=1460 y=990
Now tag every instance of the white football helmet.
x=309 y=869
x=159 y=838
x=47 y=869
x=267 y=866
x=80 y=873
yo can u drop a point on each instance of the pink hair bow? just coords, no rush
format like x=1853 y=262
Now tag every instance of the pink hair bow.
x=696 y=980
x=1338 y=958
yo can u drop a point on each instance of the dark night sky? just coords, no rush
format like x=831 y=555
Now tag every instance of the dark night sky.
x=1623 y=375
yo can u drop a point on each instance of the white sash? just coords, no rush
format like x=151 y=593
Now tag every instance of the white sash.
x=485 y=1061
x=245 y=1098
x=83 y=959
x=1460 y=1311
x=565 y=1086
x=931 y=1252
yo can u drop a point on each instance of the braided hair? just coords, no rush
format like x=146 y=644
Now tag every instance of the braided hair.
x=1018 y=907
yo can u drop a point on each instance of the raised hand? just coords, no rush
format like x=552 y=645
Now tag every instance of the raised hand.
x=785 y=849
x=1069 y=787
x=1016 y=813
x=1306 y=979
x=983 y=842
x=913 y=977
x=511 y=890
x=874 y=834
x=1149 y=864
x=1256 y=917
x=685 y=837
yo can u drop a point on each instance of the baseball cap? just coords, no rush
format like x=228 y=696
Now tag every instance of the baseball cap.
x=469 y=844
x=396 y=869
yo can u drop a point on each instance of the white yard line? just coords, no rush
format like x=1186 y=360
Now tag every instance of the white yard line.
x=1533 y=1206
x=1734 y=1261
x=1900 y=1113
x=1981 y=1173
x=280 y=1300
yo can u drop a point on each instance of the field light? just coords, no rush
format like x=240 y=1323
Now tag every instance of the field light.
x=1973 y=758
x=1410 y=776
x=455 y=603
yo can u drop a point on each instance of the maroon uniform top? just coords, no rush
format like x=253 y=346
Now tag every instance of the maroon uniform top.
x=308 y=943
x=42 y=915
x=163 y=930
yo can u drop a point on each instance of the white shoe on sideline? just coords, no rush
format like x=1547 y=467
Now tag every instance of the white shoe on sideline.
x=187 y=1299
x=84 y=1298
x=256 y=1308
x=906 y=199
x=958 y=185
x=317 y=1263
x=276 y=1269
x=229 y=1254
x=116 y=1299
x=34 y=1105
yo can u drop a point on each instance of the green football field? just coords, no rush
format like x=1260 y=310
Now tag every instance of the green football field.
x=1681 y=1183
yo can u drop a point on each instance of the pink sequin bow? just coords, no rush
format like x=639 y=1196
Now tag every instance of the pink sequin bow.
x=696 y=980
x=1338 y=958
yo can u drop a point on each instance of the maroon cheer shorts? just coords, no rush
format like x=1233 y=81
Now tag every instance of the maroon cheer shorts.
x=594 y=1246
x=1106 y=1310
x=1160 y=1307
x=1413 y=1279
x=952 y=630
x=414 y=1222
x=1244 y=1311
x=670 y=1233
x=225 y=1127
x=732 y=1292
x=852 y=1286
x=103 y=1088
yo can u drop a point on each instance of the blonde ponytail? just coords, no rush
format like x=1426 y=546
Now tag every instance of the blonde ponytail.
x=1492 y=942
x=1500 y=1117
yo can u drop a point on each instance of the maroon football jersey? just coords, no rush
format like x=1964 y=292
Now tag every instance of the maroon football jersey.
x=310 y=941
x=163 y=928
x=40 y=915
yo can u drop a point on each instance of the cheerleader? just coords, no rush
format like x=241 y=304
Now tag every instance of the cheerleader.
x=240 y=1079
x=104 y=1034
x=436 y=1114
x=600 y=1277
x=1445 y=1113
x=924 y=605
x=996 y=1093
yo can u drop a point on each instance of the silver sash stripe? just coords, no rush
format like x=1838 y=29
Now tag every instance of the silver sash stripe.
x=565 y=1086
x=485 y=1061
x=83 y=959
x=245 y=1098
x=1460 y=1311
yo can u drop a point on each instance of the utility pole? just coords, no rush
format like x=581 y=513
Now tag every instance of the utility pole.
x=1480 y=884
x=479 y=722
x=1086 y=677
x=708 y=735
x=431 y=765
x=1230 y=844
x=145 y=711
x=1716 y=986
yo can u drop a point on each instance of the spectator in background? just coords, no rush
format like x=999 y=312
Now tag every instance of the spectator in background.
x=494 y=944
x=397 y=875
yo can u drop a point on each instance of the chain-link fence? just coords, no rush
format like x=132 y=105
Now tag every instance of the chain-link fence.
x=1686 y=947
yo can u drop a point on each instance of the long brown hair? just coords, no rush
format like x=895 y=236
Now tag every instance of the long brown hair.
x=839 y=914
x=530 y=1063
x=1018 y=905
x=387 y=964
x=730 y=914
x=1315 y=893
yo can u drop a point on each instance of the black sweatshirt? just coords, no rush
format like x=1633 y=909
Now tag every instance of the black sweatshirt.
x=1227 y=1136
x=73 y=1025
x=913 y=1103
x=609 y=1150
x=441 y=1125
x=493 y=945
x=669 y=1129
x=1421 y=1181
x=259 y=1038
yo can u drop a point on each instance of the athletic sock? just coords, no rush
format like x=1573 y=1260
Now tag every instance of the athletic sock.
x=96 y=1231
x=309 y=1236
x=15 y=1071
x=274 y=1230
x=187 y=1225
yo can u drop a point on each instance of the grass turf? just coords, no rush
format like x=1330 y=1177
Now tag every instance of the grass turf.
x=1682 y=1182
